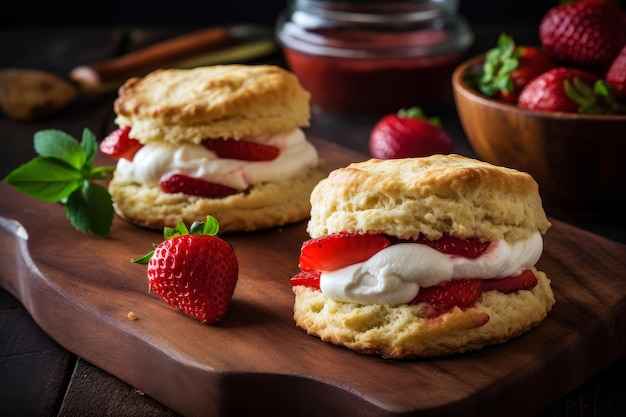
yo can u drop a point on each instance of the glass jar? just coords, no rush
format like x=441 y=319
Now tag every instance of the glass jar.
x=373 y=56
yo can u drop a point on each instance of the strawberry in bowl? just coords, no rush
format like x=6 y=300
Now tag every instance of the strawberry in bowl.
x=566 y=125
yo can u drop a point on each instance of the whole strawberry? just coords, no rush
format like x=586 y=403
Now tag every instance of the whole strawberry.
x=616 y=75
x=586 y=33
x=194 y=270
x=568 y=90
x=408 y=134
x=508 y=68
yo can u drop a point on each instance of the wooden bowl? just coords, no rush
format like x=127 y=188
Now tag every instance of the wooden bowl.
x=579 y=161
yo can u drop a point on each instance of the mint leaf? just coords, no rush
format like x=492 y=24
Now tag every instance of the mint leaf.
x=46 y=179
x=59 y=145
x=63 y=173
x=90 y=208
x=90 y=147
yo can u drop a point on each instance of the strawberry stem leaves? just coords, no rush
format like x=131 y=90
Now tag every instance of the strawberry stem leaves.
x=500 y=61
x=418 y=113
x=209 y=227
x=596 y=99
x=63 y=172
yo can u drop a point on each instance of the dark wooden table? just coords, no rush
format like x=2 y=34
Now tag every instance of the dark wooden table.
x=40 y=378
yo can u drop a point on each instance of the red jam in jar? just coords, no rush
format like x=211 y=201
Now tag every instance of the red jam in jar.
x=373 y=57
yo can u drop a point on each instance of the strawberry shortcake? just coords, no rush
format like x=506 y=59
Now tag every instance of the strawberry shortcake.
x=223 y=140
x=422 y=257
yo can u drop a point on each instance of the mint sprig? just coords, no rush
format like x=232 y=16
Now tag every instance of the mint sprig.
x=64 y=173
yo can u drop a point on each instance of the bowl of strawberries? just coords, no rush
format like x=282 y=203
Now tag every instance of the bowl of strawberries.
x=555 y=110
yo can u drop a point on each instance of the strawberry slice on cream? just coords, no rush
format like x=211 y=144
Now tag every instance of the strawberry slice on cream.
x=221 y=164
x=446 y=272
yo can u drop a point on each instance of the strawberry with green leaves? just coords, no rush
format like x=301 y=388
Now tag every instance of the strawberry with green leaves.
x=569 y=90
x=64 y=173
x=585 y=33
x=408 y=134
x=194 y=270
x=508 y=68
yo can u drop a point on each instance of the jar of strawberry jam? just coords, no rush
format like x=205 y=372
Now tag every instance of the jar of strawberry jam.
x=373 y=56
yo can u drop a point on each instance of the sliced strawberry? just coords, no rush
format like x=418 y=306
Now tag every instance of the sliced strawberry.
x=524 y=281
x=467 y=248
x=179 y=183
x=338 y=250
x=448 y=294
x=241 y=149
x=119 y=145
x=306 y=278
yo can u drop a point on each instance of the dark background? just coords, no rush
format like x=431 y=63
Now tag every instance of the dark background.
x=209 y=12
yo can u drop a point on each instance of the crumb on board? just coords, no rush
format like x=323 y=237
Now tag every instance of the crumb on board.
x=132 y=316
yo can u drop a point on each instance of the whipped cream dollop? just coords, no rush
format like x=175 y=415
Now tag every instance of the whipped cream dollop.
x=394 y=275
x=154 y=160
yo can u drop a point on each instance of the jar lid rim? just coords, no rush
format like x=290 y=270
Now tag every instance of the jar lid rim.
x=314 y=42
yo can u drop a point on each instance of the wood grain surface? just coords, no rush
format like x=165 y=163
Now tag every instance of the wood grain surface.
x=80 y=288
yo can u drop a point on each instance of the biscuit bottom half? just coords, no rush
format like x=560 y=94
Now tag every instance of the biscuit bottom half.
x=405 y=331
x=262 y=206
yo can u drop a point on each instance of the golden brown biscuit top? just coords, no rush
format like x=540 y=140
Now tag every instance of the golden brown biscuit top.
x=436 y=195
x=223 y=100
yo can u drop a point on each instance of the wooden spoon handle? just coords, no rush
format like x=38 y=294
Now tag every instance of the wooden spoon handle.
x=160 y=55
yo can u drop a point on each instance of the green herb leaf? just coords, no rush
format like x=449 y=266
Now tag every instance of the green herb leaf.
x=63 y=173
x=46 y=179
x=59 y=145
x=89 y=146
x=90 y=208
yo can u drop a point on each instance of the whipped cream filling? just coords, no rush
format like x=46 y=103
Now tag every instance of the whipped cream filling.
x=154 y=160
x=395 y=275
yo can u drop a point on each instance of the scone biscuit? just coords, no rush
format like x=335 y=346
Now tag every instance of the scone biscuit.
x=406 y=331
x=262 y=206
x=415 y=218
x=450 y=194
x=229 y=101
x=227 y=130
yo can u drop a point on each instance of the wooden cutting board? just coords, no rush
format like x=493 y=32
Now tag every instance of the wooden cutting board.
x=79 y=289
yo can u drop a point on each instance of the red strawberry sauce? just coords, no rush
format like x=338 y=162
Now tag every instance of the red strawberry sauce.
x=374 y=84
